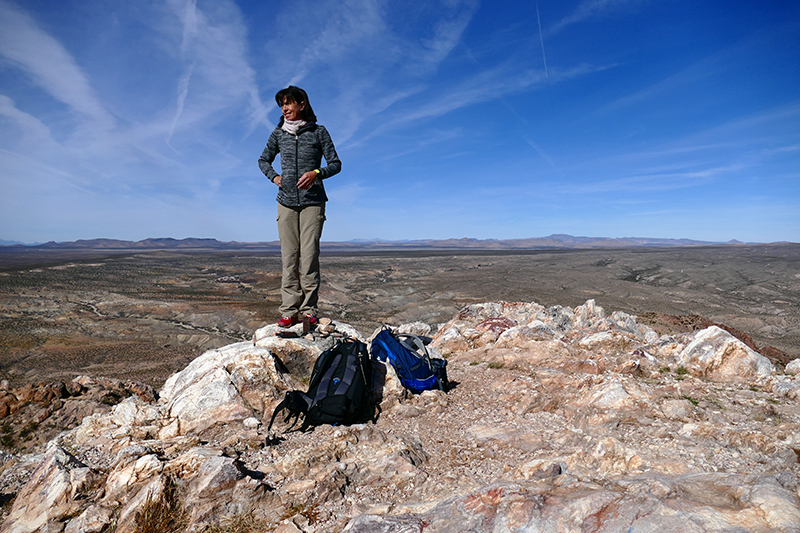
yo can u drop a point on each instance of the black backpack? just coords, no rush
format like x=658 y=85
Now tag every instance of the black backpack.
x=339 y=391
x=417 y=370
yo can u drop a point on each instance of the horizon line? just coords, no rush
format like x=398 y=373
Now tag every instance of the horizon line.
x=469 y=242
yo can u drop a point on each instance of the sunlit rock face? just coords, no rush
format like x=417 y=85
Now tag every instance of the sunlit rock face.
x=718 y=355
x=559 y=419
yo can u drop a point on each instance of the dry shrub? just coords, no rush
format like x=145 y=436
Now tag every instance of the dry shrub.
x=163 y=515
x=243 y=523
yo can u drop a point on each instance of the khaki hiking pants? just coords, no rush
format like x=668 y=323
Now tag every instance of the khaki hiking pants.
x=300 y=229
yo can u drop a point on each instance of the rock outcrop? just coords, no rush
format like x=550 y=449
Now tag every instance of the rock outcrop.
x=560 y=419
x=33 y=414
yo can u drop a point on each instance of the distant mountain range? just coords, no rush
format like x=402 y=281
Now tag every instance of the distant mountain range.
x=536 y=243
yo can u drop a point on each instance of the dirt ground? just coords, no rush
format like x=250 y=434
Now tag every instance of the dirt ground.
x=144 y=315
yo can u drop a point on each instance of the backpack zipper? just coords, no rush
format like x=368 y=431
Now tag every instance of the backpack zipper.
x=296 y=165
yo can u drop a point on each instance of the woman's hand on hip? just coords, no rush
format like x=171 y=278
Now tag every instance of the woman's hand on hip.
x=307 y=179
x=277 y=181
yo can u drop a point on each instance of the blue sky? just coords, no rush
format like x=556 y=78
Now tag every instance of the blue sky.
x=452 y=118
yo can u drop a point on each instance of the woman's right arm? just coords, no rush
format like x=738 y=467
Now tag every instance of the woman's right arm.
x=267 y=157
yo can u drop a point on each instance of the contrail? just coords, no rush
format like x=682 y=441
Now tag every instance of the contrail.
x=541 y=39
x=183 y=90
x=189 y=34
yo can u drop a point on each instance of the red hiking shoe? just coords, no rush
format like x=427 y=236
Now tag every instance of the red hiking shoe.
x=287 y=321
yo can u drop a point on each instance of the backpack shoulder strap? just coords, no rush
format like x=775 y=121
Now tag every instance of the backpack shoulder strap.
x=295 y=402
x=351 y=367
x=413 y=343
x=325 y=380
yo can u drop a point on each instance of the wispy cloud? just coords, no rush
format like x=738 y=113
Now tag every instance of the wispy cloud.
x=349 y=31
x=214 y=85
x=33 y=130
x=20 y=163
x=49 y=65
x=503 y=80
x=781 y=119
x=447 y=33
x=183 y=90
x=698 y=72
x=539 y=150
x=590 y=9
x=216 y=73
x=362 y=54
x=649 y=183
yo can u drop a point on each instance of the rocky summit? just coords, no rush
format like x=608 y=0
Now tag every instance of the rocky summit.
x=558 y=420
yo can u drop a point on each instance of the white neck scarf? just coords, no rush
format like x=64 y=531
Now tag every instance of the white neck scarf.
x=293 y=126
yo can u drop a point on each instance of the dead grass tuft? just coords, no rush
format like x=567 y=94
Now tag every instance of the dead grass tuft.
x=164 y=515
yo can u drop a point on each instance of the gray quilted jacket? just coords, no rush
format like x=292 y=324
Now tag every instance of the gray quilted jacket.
x=299 y=154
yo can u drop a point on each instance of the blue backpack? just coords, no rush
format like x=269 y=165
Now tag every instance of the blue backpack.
x=407 y=354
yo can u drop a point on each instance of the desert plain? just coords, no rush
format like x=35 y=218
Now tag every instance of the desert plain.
x=145 y=315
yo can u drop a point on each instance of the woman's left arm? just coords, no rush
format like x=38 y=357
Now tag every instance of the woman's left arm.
x=334 y=165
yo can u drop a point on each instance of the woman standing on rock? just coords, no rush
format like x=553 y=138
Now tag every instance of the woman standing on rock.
x=302 y=144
